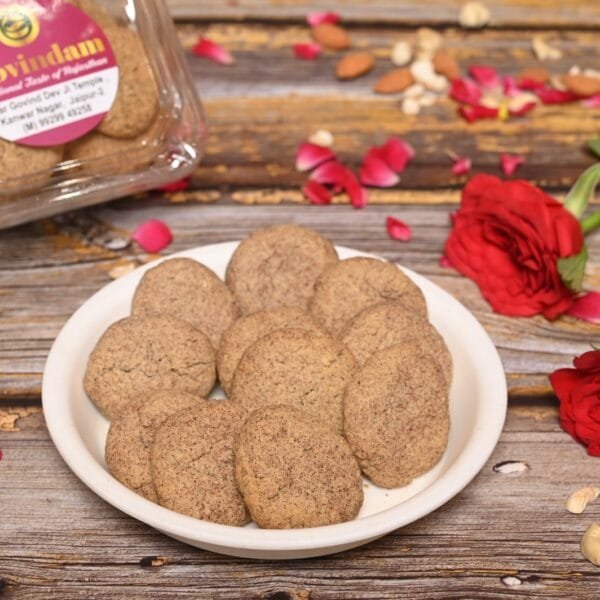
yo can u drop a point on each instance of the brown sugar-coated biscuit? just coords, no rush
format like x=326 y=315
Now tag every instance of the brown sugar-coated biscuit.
x=293 y=471
x=136 y=103
x=26 y=166
x=138 y=355
x=105 y=153
x=393 y=323
x=396 y=417
x=247 y=330
x=278 y=266
x=304 y=369
x=130 y=437
x=192 y=462
x=351 y=285
x=186 y=289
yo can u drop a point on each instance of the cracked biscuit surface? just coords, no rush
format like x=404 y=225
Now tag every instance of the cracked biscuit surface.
x=304 y=369
x=192 y=462
x=130 y=438
x=278 y=266
x=249 y=329
x=186 y=289
x=396 y=416
x=393 y=323
x=293 y=471
x=138 y=355
x=351 y=285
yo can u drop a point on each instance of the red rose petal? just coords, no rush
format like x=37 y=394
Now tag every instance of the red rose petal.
x=530 y=85
x=310 y=156
x=341 y=178
x=485 y=76
x=509 y=86
x=511 y=162
x=474 y=113
x=317 y=17
x=316 y=193
x=1 y=455
x=376 y=172
x=592 y=102
x=462 y=165
x=396 y=153
x=206 y=48
x=465 y=90
x=358 y=194
x=397 y=229
x=176 y=186
x=586 y=308
x=153 y=235
x=552 y=96
x=307 y=51
x=444 y=262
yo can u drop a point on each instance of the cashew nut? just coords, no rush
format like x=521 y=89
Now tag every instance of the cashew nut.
x=590 y=544
x=580 y=498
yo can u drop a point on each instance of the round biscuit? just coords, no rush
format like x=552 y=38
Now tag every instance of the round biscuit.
x=278 y=266
x=396 y=416
x=294 y=472
x=186 y=289
x=304 y=369
x=351 y=285
x=192 y=462
x=139 y=355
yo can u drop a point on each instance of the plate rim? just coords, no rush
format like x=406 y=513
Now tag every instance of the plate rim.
x=469 y=462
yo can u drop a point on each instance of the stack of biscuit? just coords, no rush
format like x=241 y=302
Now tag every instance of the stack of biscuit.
x=127 y=138
x=331 y=369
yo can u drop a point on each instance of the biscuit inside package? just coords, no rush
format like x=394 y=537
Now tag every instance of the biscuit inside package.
x=96 y=102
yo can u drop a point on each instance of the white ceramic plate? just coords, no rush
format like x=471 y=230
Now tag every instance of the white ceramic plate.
x=477 y=407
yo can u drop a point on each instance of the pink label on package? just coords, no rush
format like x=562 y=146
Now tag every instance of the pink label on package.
x=58 y=73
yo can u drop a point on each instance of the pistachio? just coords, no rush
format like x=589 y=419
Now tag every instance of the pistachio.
x=474 y=15
x=580 y=498
x=590 y=544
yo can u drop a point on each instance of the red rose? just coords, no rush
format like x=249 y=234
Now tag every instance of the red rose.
x=578 y=390
x=507 y=237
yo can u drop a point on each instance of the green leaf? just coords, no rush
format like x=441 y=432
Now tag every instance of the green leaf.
x=579 y=195
x=571 y=269
x=594 y=146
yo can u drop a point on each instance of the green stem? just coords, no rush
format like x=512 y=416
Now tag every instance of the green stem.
x=590 y=223
x=579 y=195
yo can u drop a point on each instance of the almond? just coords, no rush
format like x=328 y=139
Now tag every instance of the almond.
x=354 y=65
x=393 y=82
x=538 y=74
x=444 y=64
x=582 y=85
x=331 y=36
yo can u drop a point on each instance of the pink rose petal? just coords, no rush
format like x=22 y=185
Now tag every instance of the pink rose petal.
x=206 y=48
x=465 y=90
x=316 y=193
x=552 y=96
x=376 y=172
x=586 y=308
x=523 y=110
x=176 y=186
x=307 y=51
x=485 y=76
x=152 y=235
x=510 y=163
x=509 y=86
x=592 y=102
x=474 y=113
x=462 y=165
x=397 y=229
x=396 y=153
x=444 y=262
x=310 y=156
x=318 y=17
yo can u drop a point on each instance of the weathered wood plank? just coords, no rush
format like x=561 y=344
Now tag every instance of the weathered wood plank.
x=41 y=287
x=263 y=106
x=505 y=13
x=57 y=539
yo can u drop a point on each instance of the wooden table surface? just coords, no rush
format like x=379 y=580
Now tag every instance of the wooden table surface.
x=504 y=535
